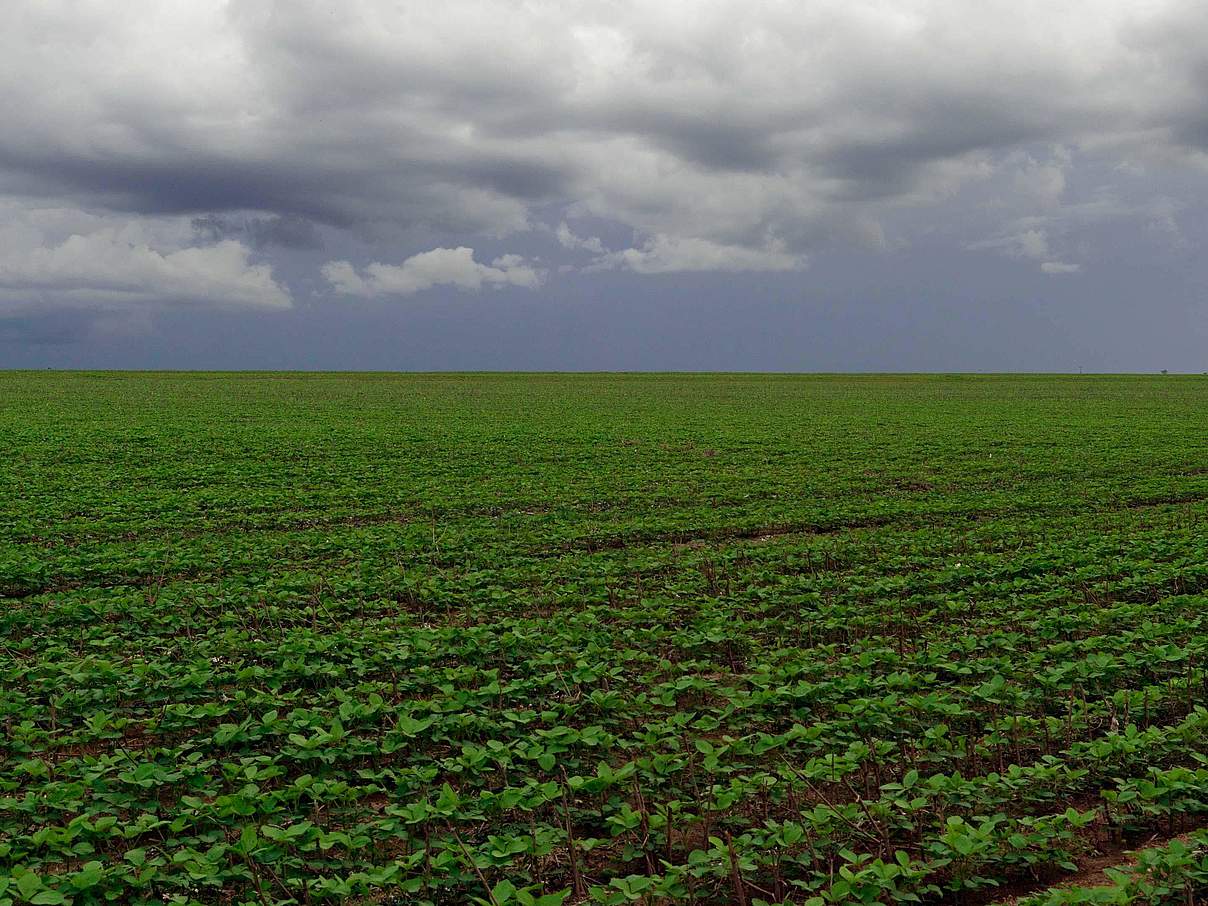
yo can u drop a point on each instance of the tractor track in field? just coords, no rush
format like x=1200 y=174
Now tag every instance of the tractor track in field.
x=1092 y=870
x=594 y=544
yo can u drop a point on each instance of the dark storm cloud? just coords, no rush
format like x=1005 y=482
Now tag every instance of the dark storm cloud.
x=181 y=183
x=289 y=231
x=462 y=116
x=184 y=184
x=57 y=327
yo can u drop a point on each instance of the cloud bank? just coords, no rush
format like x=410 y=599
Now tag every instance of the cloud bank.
x=724 y=135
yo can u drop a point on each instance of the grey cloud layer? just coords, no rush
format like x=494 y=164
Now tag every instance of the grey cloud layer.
x=724 y=136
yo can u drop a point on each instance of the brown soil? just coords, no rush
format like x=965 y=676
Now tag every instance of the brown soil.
x=1092 y=870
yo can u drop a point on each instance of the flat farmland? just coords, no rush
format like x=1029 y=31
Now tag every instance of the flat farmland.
x=544 y=639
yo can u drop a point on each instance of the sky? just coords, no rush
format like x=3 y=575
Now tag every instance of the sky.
x=806 y=185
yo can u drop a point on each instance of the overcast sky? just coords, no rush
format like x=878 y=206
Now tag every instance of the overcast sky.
x=798 y=186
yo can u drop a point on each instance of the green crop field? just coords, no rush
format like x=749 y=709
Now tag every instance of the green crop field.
x=517 y=639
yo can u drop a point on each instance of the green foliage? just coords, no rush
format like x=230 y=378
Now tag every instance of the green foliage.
x=539 y=640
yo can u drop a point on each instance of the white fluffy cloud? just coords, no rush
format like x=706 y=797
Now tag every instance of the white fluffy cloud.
x=1029 y=243
x=439 y=267
x=66 y=257
x=569 y=240
x=1060 y=267
x=669 y=254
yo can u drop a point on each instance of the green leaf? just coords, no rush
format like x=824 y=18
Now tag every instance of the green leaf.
x=29 y=884
x=248 y=837
x=89 y=876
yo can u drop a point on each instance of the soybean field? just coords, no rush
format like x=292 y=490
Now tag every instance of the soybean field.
x=555 y=639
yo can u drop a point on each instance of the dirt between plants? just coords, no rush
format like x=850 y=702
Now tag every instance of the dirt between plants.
x=1092 y=870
